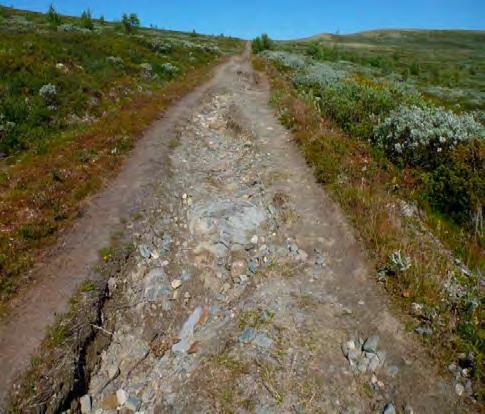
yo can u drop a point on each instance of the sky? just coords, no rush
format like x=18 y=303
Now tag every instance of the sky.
x=283 y=19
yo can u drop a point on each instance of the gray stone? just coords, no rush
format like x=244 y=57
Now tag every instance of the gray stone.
x=156 y=284
x=382 y=356
x=416 y=309
x=262 y=340
x=408 y=409
x=347 y=346
x=371 y=344
x=392 y=370
x=187 y=332
x=86 y=405
x=165 y=244
x=223 y=225
x=253 y=265
x=144 y=251
x=354 y=355
x=389 y=409
x=362 y=365
x=133 y=404
x=247 y=336
x=243 y=278
x=424 y=330
x=320 y=260
x=374 y=363
x=293 y=248
x=237 y=267
x=122 y=396
x=459 y=389
x=185 y=276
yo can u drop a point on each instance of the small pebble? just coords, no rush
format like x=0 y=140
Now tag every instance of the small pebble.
x=122 y=396
x=389 y=409
x=459 y=389
x=176 y=284
x=86 y=405
x=408 y=409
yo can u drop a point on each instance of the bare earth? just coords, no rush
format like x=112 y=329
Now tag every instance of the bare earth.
x=249 y=292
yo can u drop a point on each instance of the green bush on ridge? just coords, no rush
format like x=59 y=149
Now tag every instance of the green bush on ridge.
x=87 y=20
x=261 y=43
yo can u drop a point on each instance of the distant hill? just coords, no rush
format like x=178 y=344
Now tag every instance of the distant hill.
x=471 y=39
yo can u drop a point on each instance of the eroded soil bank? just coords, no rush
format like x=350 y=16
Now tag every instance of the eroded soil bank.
x=248 y=292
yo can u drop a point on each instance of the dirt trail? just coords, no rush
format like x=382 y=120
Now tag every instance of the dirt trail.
x=249 y=293
x=72 y=261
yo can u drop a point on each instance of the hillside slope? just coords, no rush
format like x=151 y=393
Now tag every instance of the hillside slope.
x=74 y=95
x=447 y=64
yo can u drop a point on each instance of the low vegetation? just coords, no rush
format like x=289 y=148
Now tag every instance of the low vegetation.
x=409 y=173
x=74 y=95
x=426 y=140
x=447 y=66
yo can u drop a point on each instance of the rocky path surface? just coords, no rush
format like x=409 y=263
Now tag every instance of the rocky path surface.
x=249 y=293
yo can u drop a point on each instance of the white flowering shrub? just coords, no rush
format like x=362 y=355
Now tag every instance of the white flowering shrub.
x=286 y=59
x=5 y=125
x=399 y=262
x=72 y=28
x=147 y=70
x=421 y=135
x=187 y=44
x=48 y=92
x=115 y=60
x=318 y=75
x=18 y=24
x=169 y=69
x=212 y=49
x=158 y=45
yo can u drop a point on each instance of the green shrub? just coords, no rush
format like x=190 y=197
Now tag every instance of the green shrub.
x=87 y=20
x=355 y=107
x=53 y=18
x=130 y=22
x=457 y=186
x=262 y=43
x=257 y=45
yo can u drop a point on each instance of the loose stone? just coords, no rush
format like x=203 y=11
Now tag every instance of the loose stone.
x=85 y=402
x=122 y=396
x=389 y=409
x=371 y=344
x=176 y=284
x=459 y=389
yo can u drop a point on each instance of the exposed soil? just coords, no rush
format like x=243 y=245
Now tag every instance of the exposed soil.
x=249 y=292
